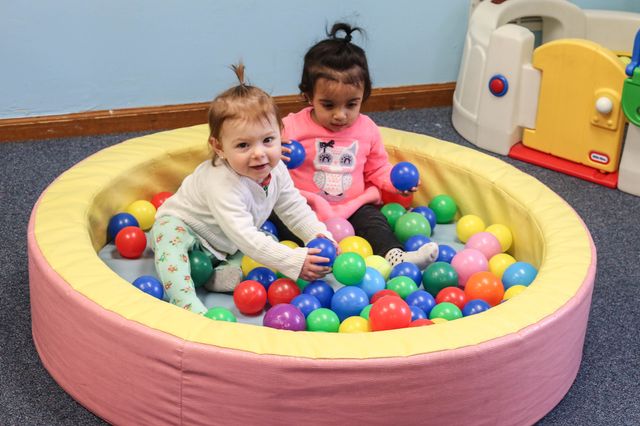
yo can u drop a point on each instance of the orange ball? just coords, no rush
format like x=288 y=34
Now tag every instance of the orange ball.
x=486 y=286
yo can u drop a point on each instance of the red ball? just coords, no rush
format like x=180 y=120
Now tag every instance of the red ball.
x=282 y=290
x=160 y=198
x=420 y=322
x=453 y=295
x=131 y=242
x=380 y=294
x=389 y=313
x=394 y=197
x=250 y=297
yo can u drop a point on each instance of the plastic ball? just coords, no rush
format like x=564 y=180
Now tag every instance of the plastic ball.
x=349 y=301
x=438 y=320
x=393 y=212
x=437 y=276
x=415 y=242
x=469 y=225
x=474 y=306
x=453 y=295
x=297 y=154
x=150 y=285
x=407 y=269
x=522 y=273
x=327 y=249
x=372 y=282
x=445 y=253
x=355 y=324
x=486 y=286
x=500 y=262
x=410 y=224
x=250 y=297
x=118 y=222
x=513 y=291
x=289 y=244
x=417 y=313
x=159 y=199
x=364 y=313
x=382 y=293
x=282 y=290
x=220 y=314
x=380 y=264
x=395 y=197
x=285 y=317
x=420 y=322
x=263 y=275
x=404 y=176
x=349 y=268
x=201 y=267
x=444 y=208
x=404 y=286
x=422 y=299
x=389 y=313
x=306 y=303
x=428 y=214
x=486 y=243
x=467 y=262
x=131 y=242
x=355 y=244
x=144 y=212
x=321 y=290
x=503 y=234
x=247 y=265
x=340 y=228
x=445 y=310
x=323 y=319
x=270 y=228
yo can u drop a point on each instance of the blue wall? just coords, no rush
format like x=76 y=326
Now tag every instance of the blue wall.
x=71 y=55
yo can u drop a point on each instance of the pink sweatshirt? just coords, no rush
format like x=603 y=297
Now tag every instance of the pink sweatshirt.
x=342 y=170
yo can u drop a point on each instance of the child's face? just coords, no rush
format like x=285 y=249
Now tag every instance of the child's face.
x=252 y=148
x=336 y=105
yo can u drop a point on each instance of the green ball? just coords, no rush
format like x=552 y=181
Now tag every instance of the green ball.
x=411 y=224
x=349 y=268
x=201 y=267
x=323 y=319
x=393 y=212
x=444 y=207
x=220 y=314
x=364 y=313
x=301 y=283
x=437 y=276
x=402 y=285
x=445 y=310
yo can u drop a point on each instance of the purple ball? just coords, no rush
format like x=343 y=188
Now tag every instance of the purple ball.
x=285 y=316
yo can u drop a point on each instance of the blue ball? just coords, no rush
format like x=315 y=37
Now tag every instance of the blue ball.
x=519 y=273
x=119 y=221
x=297 y=154
x=150 y=285
x=263 y=275
x=417 y=313
x=428 y=213
x=269 y=227
x=445 y=253
x=404 y=176
x=372 y=282
x=306 y=303
x=321 y=290
x=348 y=302
x=474 y=306
x=422 y=299
x=327 y=248
x=415 y=242
x=407 y=269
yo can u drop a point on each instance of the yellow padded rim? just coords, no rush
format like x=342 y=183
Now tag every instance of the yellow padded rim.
x=72 y=214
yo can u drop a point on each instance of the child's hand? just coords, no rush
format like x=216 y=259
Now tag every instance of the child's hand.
x=406 y=193
x=312 y=268
x=285 y=150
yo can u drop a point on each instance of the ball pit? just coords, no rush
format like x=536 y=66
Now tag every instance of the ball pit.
x=82 y=311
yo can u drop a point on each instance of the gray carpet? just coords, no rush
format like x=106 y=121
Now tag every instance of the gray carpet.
x=608 y=384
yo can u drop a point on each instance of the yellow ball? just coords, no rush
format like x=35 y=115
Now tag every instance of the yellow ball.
x=438 y=320
x=354 y=325
x=248 y=264
x=513 y=291
x=289 y=244
x=468 y=225
x=144 y=212
x=500 y=262
x=380 y=264
x=502 y=233
x=356 y=244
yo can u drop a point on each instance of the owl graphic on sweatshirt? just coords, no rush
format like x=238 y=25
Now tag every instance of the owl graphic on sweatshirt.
x=334 y=165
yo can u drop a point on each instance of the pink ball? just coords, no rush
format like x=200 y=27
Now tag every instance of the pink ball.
x=467 y=262
x=485 y=242
x=340 y=228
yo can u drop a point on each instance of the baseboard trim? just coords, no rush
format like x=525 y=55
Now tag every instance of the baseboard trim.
x=174 y=116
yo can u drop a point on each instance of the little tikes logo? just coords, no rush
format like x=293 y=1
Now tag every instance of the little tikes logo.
x=599 y=157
